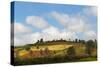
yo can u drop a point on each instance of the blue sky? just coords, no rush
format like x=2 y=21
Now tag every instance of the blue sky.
x=55 y=15
x=23 y=9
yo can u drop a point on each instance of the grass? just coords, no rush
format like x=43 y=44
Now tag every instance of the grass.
x=59 y=55
x=89 y=59
x=51 y=47
x=48 y=60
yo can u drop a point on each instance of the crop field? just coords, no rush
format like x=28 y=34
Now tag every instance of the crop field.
x=53 y=53
x=51 y=47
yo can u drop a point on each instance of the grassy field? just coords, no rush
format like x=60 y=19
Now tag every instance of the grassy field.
x=59 y=49
x=52 y=47
x=54 y=54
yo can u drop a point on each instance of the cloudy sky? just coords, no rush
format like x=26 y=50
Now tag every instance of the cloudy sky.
x=33 y=21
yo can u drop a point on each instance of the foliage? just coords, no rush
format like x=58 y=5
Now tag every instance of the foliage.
x=56 y=52
x=89 y=47
x=71 y=52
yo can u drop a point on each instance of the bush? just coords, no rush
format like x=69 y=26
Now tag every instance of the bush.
x=71 y=52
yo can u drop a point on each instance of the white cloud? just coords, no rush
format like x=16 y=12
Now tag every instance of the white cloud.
x=53 y=33
x=26 y=38
x=18 y=33
x=90 y=35
x=77 y=24
x=61 y=18
x=37 y=22
x=71 y=23
x=71 y=35
x=90 y=11
x=48 y=34
x=20 y=28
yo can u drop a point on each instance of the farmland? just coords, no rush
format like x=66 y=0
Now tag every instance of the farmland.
x=53 y=52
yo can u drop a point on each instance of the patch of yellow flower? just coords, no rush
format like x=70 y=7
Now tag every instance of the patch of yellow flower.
x=23 y=53
x=51 y=47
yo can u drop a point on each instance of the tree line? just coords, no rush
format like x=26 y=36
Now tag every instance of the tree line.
x=62 y=40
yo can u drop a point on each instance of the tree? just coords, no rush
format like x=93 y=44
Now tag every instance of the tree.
x=41 y=40
x=83 y=41
x=95 y=43
x=38 y=41
x=76 y=40
x=69 y=40
x=27 y=47
x=89 y=46
x=95 y=40
x=61 y=39
x=79 y=41
x=37 y=46
x=71 y=52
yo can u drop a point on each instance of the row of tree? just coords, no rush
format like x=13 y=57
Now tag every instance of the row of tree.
x=74 y=41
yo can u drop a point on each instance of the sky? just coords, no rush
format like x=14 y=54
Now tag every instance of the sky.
x=33 y=21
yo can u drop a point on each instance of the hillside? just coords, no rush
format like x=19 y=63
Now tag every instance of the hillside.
x=53 y=51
